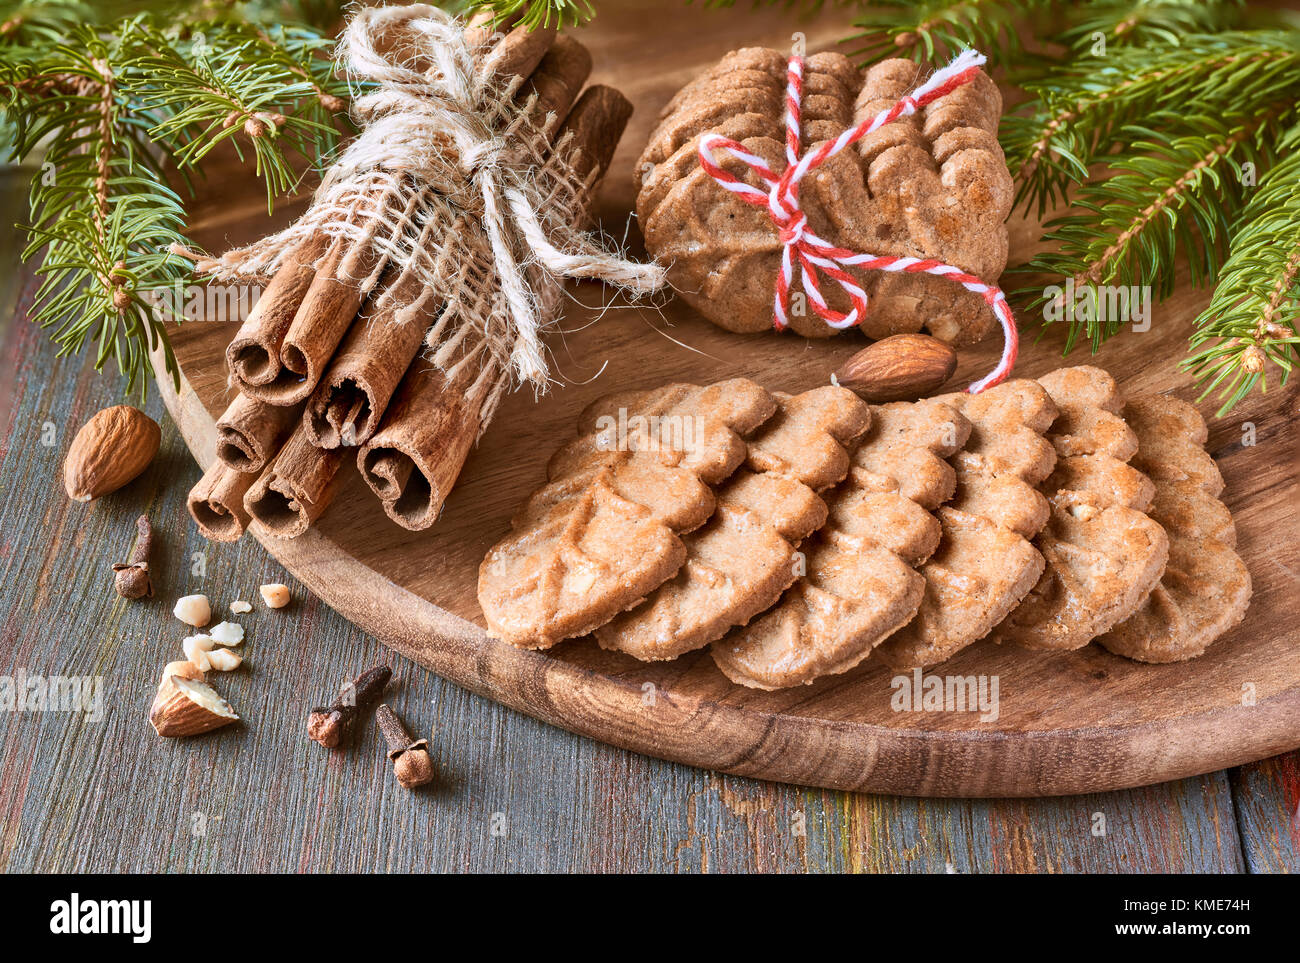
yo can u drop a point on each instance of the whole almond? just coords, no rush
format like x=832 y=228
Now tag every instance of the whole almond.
x=902 y=367
x=115 y=446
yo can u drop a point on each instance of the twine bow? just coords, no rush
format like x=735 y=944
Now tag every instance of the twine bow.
x=815 y=255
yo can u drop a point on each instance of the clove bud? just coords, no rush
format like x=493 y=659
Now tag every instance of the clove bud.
x=132 y=579
x=411 y=761
x=332 y=725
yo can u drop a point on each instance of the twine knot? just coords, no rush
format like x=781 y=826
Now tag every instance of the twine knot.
x=815 y=256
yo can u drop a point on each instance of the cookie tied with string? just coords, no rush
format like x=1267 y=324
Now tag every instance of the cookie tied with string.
x=931 y=185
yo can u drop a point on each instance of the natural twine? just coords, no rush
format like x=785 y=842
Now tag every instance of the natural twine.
x=461 y=192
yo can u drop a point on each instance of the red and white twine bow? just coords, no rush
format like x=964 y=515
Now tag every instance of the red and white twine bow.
x=813 y=254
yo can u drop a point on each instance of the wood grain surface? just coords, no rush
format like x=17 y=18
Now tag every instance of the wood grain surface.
x=1068 y=723
x=80 y=795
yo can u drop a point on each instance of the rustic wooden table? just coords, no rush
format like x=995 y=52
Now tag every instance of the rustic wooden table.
x=81 y=793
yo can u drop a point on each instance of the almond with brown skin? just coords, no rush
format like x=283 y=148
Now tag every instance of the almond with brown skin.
x=115 y=446
x=187 y=706
x=902 y=367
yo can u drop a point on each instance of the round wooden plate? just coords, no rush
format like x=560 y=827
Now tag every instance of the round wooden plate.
x=1080 y=722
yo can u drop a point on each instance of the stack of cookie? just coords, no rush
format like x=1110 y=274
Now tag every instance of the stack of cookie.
x=796 y=535
x=932 y=184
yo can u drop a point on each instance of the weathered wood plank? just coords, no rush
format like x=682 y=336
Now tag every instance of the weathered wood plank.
x=1266 y=796
x=82 y=796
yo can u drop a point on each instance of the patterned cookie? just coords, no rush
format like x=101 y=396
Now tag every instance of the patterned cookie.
x=1104 y=555
x=932 y=185
x=761 y=67
x=827 y=108
x=985 y=563
x=861 y=584
x=1206 y=586
x=603 y=532
x=744 y=558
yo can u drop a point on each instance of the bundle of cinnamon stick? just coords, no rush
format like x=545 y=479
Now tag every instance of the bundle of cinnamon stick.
x=329 y=364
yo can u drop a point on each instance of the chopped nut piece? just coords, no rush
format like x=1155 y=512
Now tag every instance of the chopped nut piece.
x=276 y=595
x=240 y=607
x=185 y=670
x=193 y=610
x=197 y=648
x=187 y=707
x=227 y=633
x=223 y=660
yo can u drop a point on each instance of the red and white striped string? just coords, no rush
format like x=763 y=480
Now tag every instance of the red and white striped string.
x=813 y=254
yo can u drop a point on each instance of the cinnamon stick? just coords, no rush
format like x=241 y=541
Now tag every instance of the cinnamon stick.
x=331 y=299
x=415 y=457
x=596 y=122
x=521 y=50
x=327 y=310
x=216 y=503
x=556 y=82
x=354 y=392
x=250 y=432
x=296 y=488
x=413 y=462
x=254 y=354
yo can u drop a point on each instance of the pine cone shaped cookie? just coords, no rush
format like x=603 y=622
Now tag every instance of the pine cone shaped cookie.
x=1206 y=586
x=1103 y=553
x=860 y=584
x=930 y=185
x=985 y=563
x=739 y=564
x=603 y=532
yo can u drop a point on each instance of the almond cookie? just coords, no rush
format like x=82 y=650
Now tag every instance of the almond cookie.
x=861 y=584
x=931 y=185
x=744 y=558
x=985 y=563
x=1103 y=553
x=603 y=532
x=1206 y=587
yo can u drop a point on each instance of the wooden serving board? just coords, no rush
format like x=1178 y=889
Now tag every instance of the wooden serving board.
x=1080 y=722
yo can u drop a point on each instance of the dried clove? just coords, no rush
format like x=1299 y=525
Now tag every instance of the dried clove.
x=411 y=761
x=132 y=579
x=332 y=725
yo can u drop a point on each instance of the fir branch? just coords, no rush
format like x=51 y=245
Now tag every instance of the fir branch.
x=105 y=110
x=1168 y=195
x=1073 y=123
x=248 y=89
x=100 y=210
x=929 y=30
x=1253 y=319
x=1149 y=22
x=531 y=13
x=26 y=23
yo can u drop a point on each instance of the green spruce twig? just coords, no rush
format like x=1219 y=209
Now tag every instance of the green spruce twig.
x=109 y=111
x=1075 y=119
x=1254 y=316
